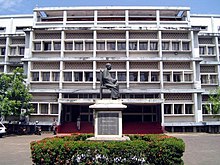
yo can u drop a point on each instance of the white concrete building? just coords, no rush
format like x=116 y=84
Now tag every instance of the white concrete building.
x=165 y=59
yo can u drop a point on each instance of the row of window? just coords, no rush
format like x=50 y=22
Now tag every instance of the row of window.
x=178 y=109
x=207 y=111
x=209 y=79
x=45 y=108
x=50 y=108
x=206 y=50
x=110 y=45
x=15 y=50
x=136 y=76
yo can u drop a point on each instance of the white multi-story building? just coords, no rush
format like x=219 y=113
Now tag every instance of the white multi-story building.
x=165 y=59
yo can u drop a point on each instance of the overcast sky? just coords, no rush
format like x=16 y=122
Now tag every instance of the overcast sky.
x=8 y=7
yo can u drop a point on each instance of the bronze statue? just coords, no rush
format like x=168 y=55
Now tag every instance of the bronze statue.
x=110 y=82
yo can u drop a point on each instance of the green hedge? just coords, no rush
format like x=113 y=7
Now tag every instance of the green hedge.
x=142 y=149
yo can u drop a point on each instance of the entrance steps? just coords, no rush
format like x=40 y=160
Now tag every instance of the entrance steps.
x=128 y=128
x=70 y=127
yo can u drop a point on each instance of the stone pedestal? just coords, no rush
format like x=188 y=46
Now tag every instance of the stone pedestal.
x=108 y=119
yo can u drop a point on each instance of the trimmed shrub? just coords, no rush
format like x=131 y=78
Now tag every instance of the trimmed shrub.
x=142 y=149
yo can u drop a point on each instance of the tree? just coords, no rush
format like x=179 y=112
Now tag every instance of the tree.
x=214 y=101
x=14 y=94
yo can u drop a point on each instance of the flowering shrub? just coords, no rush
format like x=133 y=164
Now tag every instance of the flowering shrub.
x=142 y=149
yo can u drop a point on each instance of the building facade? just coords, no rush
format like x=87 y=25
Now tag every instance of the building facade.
x=166 y=61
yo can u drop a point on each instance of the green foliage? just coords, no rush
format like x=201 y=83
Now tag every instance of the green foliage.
x=142 y=149
x=14 y=94
x=214 y=100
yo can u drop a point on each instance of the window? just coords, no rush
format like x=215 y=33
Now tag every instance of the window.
x=133 y=76
x=175 y=46
x=177 y=109
x=88 y=76
x=144 y=76
x=68 y=46
x=37 y=46
x=97 y=76
x=78 y=45
x=35 y=76
x=21 y=50
x=44 y=109
x=35 y=108
x=100 y=45
x=153 y=45
x=204 y=109
x=121 y=45
x=188 y=77
x=2 y=51
x=185 y=45
x=56 y=76
x=2 y=29
x=89 y=46
x=13 y=51
x=67 y=76
x=121 y=76
x=132 y=45
x=211 y=50
x=143 y=46
x=167 y=109
x=165 y=45
x=154 y=76
x=188 y=109
x=54 y=109
x=57 y=45
x=177 y=77
x=110 y=45
x=47 y=46
x=167 y=77
x=45 y=76
x=202 y=50
x=213 y=79
x=78 y=76
x=204 y=79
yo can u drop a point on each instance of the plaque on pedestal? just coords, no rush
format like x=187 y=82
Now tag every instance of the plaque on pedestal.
x=108 y=119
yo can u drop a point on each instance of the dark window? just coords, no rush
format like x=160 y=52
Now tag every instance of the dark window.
x=78 y=76
x=45 y=76
x=177 y=108
x=111 y=46
x=2 y=51
x=21 y=50
x=188 y=109
x=67 y=76
x=78 y=45
x=121 y=45
x=68 y=46
x=121 y=76
x=88 y=76
x=133 y=76
x=47 y=46
x=167 y=108
x=37 y=46
x=35 y=76
x=144 y=76
x=57 y=45
x=143 y=46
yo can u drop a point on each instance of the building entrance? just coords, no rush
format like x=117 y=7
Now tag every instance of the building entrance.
x=70 y=113
x=142 y=113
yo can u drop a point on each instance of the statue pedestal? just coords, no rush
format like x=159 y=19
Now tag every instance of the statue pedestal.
x=108 y=120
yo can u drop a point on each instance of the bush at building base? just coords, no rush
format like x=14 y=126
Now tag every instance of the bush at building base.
x=142 y=149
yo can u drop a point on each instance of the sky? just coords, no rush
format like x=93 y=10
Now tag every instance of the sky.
x=11 y=7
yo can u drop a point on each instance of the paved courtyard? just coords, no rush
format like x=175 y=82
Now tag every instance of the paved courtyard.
x=202 y=149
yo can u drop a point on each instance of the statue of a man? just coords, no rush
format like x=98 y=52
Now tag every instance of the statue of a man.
x=110 y=82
